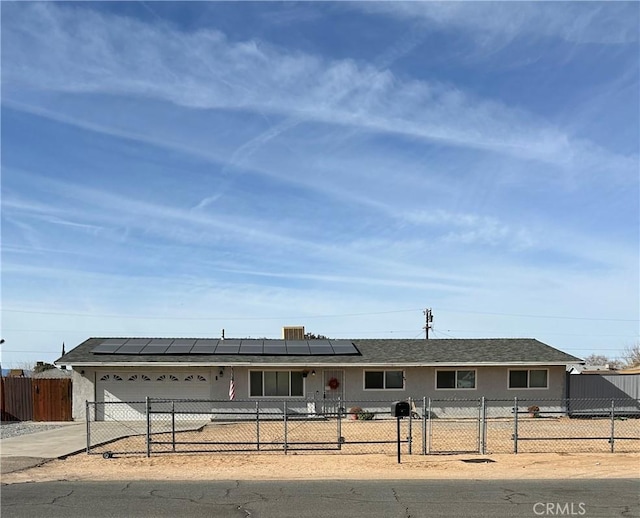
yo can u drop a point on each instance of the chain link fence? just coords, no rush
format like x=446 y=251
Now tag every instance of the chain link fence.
x=434 y=426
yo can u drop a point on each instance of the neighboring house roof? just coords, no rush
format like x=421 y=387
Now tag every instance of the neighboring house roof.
x=383 y=352
x=630 y=370
x=52 y=374
x=591 y=369
x=17 y=373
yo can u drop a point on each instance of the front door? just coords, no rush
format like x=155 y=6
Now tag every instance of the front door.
x=333 y=390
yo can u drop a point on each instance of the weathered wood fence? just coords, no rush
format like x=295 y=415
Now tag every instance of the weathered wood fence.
x=32 y=399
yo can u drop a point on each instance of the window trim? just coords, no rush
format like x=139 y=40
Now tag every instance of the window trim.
x=528 y=369
x=304 y=384
x=475 y=378
x=384 y=380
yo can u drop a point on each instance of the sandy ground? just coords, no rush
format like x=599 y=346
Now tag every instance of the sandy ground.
x=319 y=466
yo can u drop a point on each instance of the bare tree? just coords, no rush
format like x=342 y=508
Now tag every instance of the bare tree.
x=631 y=355
x=313 y=336
x=601 y=359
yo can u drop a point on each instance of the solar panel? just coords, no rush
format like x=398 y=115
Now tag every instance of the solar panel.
x=297 y=348
x=138 y=341
x=343 y=347
x=180 y=346
x=130 y=349
x=250 y=347
x=228 y=347
x=161 y=341
x=275 y=347
x=205 y=346
x=105 y=349
x=114 y=341
x=154 y=349
x=157 y=346
x=318 y=347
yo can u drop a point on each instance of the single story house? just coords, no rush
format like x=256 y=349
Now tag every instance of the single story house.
x=318 y=371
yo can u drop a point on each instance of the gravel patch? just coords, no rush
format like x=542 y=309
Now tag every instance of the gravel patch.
x=23 y=428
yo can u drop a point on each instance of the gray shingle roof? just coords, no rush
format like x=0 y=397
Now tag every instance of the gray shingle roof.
x=487 y=351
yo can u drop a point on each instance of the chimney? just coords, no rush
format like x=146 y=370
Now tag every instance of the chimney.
x=223 y=334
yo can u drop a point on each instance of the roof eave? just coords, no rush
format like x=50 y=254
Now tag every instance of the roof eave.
x=318 y=363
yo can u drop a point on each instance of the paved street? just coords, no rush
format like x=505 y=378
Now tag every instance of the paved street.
x=440 y=498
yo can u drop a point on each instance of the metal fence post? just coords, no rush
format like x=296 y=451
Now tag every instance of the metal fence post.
x=613 y=416
x=483 y=426
x=410 y=436
x=429 y=426
x=339 y=425
x=515 y=425
x=423 y=424
x=173 y=424
x=88 y=418
x=257 y=425
x=285 y=426
x=148 y=426
x=479 y=435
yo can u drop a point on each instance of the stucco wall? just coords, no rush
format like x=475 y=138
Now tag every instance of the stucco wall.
x=83 y=383
x=491 y=382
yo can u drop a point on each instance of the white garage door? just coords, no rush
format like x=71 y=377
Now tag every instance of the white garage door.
x=125 y=393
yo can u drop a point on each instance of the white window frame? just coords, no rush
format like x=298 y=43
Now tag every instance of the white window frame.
x=475 y=379
x=528 y=369
x=384 y=380
x=304 y=384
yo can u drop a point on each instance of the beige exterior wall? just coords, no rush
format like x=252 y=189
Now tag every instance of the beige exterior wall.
x=491 y=382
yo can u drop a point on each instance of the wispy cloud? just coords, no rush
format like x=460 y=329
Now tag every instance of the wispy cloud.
x=492 y=23
x=184 y=226
x=472 y=228
x=84 y=51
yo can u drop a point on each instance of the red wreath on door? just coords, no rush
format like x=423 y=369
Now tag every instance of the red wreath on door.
x=333 y=383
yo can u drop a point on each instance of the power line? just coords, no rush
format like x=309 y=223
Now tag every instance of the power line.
x=192 y=332
x=207 y=318
x=540 y=316
x=300 y=317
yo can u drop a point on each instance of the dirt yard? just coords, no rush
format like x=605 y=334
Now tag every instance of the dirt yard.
x=318 y=466
x=359 y=459
x=378 y=436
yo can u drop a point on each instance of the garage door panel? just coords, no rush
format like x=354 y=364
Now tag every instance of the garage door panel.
x=126 y=394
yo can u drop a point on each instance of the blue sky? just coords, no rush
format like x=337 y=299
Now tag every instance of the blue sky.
x=173 y=169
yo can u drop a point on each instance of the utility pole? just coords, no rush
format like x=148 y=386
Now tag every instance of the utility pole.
x=428 y=322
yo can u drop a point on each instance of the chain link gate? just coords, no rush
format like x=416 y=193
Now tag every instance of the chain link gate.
x=454 y=426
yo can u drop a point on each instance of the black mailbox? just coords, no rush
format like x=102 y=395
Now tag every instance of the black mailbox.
x=400 y=409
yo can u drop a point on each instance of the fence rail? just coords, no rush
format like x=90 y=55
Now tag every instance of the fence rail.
x=435 y=426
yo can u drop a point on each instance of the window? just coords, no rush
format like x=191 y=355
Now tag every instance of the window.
x=384 y=380
x=528 y=378
x=456 y=379
x=276 y=384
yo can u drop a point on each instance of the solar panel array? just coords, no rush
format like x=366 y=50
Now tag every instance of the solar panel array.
x=249 y=347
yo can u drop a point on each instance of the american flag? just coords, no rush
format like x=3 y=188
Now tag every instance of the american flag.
x=232 y=388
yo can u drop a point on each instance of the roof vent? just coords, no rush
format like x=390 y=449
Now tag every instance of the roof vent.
x=293 y=333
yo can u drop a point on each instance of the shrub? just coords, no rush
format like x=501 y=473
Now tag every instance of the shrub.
x=354 y=412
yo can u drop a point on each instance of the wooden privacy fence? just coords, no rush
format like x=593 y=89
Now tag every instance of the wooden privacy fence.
x=31 y=399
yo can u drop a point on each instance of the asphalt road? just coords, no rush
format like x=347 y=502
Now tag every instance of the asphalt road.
x=361 y=498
